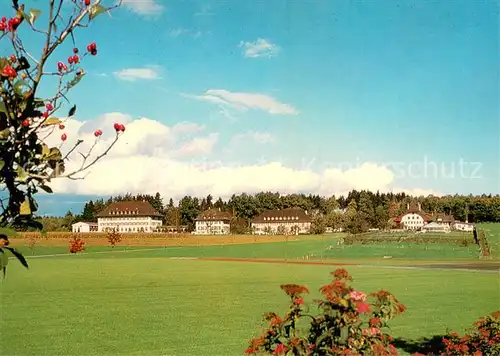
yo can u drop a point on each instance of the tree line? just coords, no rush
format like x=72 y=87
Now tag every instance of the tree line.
x=356 y=211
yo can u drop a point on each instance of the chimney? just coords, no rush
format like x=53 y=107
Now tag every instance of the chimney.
x=419 y=207
x=219 y=208
x=407 y=206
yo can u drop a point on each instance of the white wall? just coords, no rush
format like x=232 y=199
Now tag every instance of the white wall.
x=129 y=224
x=412 y=221
x=218 y=227
x=273 y=227
x=80 y=227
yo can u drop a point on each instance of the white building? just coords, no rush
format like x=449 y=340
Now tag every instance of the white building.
x=413 y=218
x=286 y=221
x=129 y=216
x=463 y=226
x=85 y=226
x=213 y=222
x=436 y=227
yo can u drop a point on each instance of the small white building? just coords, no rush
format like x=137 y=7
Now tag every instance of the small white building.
x=286 y=221
x=463 y=226
x=436 y=227
x=412 y=219
x=85 y=226
x=129 y=216
x=213 y=222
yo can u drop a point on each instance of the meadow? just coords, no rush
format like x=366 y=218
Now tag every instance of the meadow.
x=173 y=300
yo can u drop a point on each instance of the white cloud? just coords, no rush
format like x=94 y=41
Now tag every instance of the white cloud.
x=151 y=156
x=244 y=101
x=144 y=7
x=133 y=74
x=198 y=146
x=259 y=48
x=255 y=136
x=176 y=32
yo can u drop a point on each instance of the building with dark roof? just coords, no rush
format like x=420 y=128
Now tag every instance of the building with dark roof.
x=129 y=216
x=213 y=222
x=284 y=221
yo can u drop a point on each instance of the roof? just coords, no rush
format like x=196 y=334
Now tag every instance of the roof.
x=442 y=217
x=132 y=207
x=422 y=214
x=214 y=215
x=297 y=215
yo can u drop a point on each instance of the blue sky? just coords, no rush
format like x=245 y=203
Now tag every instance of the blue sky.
x=393 y=83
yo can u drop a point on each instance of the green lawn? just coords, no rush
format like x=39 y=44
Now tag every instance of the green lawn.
x=493 y=236
x=83 y=305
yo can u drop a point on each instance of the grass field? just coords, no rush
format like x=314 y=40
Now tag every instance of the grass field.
x=82 y=305
x=141 y=300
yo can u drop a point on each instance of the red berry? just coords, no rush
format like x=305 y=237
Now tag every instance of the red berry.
x=13 y=58
x=93 y=52
x=122 y=127
x=70 y=60
x=49 y=107
x=64 y=137
x=61 y=66
x=3 y=26
x=75 y=50
x=76 y=59
x=26 y=123
x=8 y=71
x=97 y=133
x=117 y=127
x=61 y=127
x=45 y=114
x=4 y=19
x=87 y=2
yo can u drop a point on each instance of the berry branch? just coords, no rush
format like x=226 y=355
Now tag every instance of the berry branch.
x=27 y=121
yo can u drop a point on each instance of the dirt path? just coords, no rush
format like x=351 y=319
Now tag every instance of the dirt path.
x=481 y=266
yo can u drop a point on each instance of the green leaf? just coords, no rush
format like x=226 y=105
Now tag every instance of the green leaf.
x=18 y=255
x=2 y=163
x=2 y=107
x=46 y=188
x=54 y=154
x=21 y=174
x=45 y=150
x=3 y=62
x=95 y=11
x=19 y=86
x=72 y=111
x=25 y=209
x=4 y=260
x=76 y=80
x=33 y=15
x=52 y=121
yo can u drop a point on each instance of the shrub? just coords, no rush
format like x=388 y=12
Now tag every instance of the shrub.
x=484 y=339
x=114 y=238
x=350 y=322
x=76 y=244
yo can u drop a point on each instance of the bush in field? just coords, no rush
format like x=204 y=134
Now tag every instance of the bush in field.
x=349 y=322
x=113 y=238
x=76 y=245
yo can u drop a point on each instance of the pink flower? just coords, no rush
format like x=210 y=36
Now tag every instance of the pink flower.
x=358 y=296
x=299 y=301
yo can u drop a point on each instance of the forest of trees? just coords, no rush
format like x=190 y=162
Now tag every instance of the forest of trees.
x=357 y=211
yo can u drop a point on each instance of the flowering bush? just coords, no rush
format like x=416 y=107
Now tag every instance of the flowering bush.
x=350 y=322
x=483 y=340
x=76 y=245
x=113 y=238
